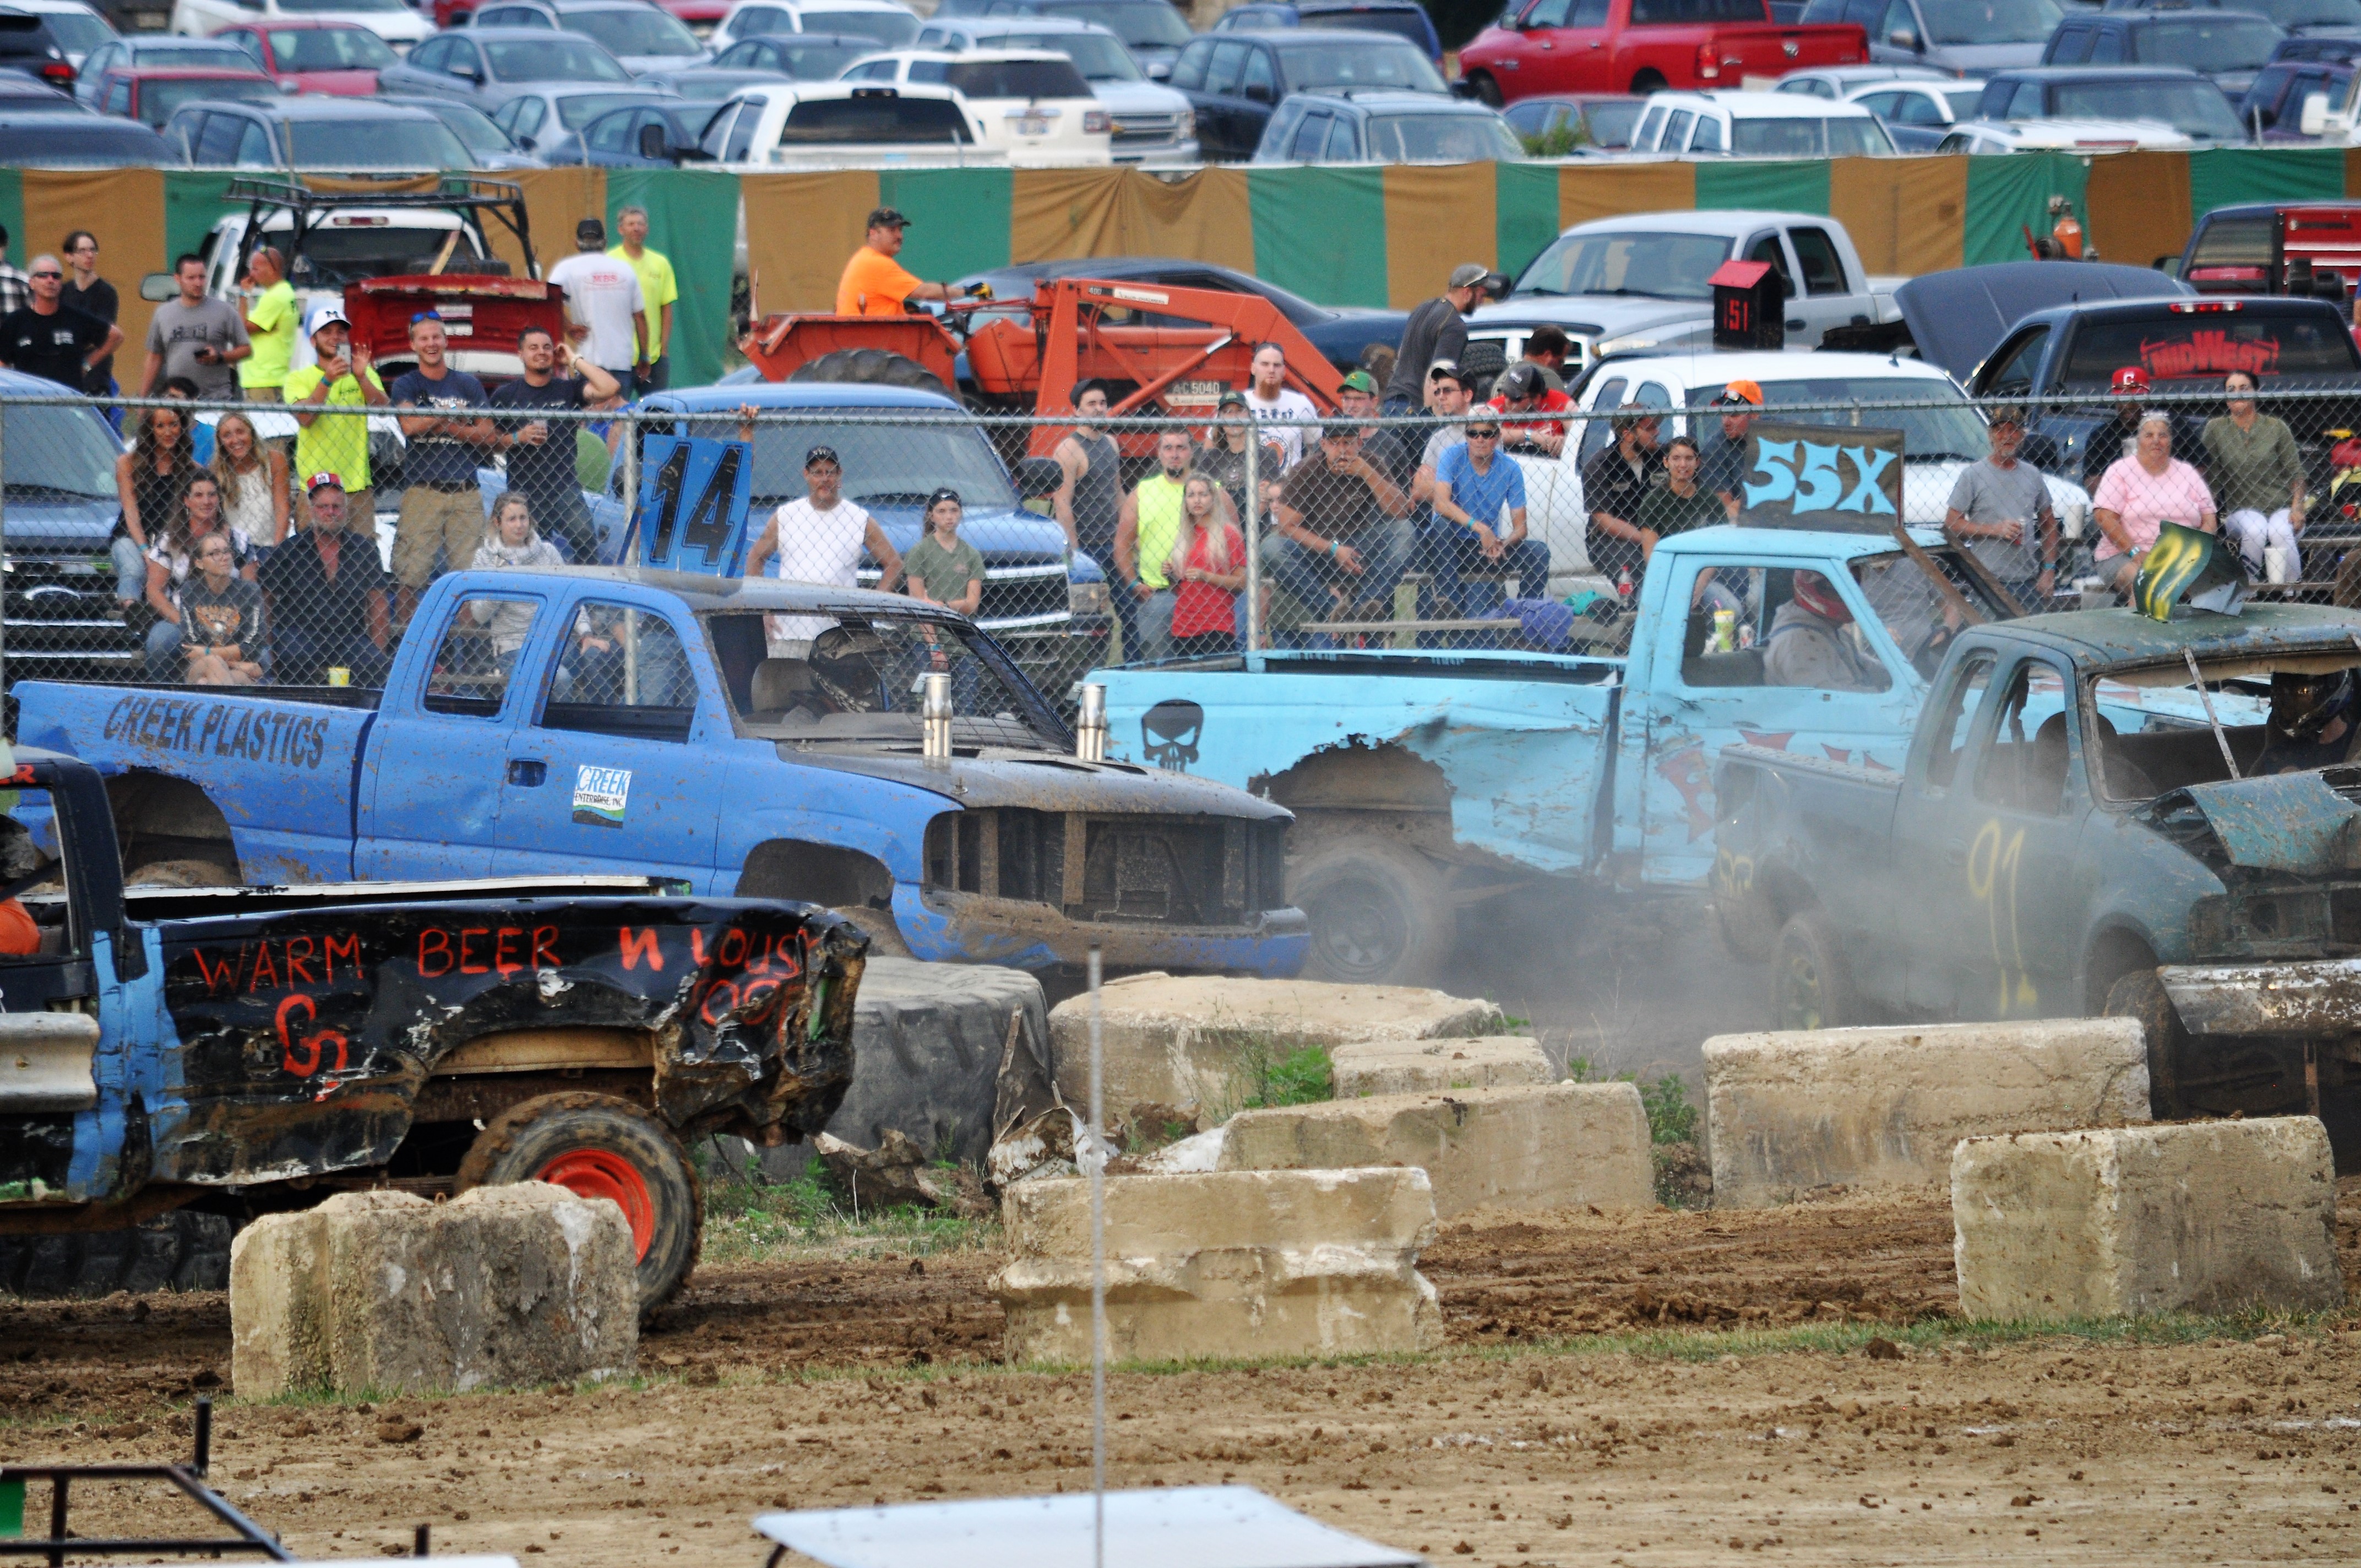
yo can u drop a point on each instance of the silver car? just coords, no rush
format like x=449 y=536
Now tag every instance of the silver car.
x=1151 y=121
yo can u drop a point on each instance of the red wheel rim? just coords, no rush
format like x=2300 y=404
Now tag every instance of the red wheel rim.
x=596 y=1173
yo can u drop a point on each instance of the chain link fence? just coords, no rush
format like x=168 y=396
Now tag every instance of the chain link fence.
x=187 y=550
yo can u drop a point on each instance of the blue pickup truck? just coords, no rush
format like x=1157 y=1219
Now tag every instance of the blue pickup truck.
x=1425 y=781
x=622 y=720
x=237 y=1050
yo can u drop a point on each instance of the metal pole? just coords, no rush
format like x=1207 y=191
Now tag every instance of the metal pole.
x=628 y=455
x=1252 y=505
x=1097 y=1163
x=3 y=549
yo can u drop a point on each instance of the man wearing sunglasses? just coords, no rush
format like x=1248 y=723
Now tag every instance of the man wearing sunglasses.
x=1482 y=492
x=51 y=339
x=441 y=506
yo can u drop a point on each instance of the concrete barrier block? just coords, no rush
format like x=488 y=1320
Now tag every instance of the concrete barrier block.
x=1523 y=1146
x=1178 y=1040
x=1225 y=1263
x=2208 y=1216
x=503 y=1286
x=1412 y=1066
x=1883 y=1107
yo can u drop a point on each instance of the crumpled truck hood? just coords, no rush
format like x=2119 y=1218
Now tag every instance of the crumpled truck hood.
x=2277 y=822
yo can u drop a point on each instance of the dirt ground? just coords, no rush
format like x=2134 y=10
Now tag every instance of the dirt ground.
x=848 y=1379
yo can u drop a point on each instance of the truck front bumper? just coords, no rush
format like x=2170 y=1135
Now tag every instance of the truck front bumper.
x=2320 y=996
x=967 y=927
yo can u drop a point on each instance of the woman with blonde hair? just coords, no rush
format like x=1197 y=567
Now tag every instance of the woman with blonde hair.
x=513 y=543
x=253 y=481
x=1207 y=569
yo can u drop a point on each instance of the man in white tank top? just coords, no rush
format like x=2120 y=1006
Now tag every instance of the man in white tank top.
x=818 y=537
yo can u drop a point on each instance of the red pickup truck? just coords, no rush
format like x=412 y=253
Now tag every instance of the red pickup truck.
x=1638 y=46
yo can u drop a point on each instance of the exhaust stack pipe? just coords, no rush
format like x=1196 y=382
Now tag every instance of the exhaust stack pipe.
x=936 y=719
x=1090 y=727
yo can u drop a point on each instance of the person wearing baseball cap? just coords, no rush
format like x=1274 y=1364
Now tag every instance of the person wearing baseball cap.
x=604 y=305
x=1721 y=455
x=327 y=591
x=340 y=378
x=1435 y=329
x=818 y=537
x=942 y=567
x=874 y=284
x=2127 y=390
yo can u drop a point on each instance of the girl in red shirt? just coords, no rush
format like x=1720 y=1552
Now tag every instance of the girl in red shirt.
x=1208 y=567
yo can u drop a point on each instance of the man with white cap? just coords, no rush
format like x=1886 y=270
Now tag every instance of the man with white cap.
x=335 y=443
x=1436 y=330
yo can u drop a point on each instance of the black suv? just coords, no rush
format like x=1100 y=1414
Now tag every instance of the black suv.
x=2228 y=46
x=28 y=45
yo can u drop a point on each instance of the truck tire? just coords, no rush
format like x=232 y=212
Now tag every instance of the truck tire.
x=178 y=1251
x=2141 y=995
x=870 y=367
x=1378 y=914
x=1487 y=92
x=600 y=1146
x=1809 y=986
x=181 y=874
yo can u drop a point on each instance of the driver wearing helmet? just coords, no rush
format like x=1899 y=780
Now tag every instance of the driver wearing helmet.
x=1810 y=647
x=2313 y=723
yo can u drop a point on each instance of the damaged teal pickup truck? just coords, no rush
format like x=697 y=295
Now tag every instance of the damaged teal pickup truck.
x=2079 y=826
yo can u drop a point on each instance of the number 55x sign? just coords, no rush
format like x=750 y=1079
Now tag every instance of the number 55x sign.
x=1818 y=476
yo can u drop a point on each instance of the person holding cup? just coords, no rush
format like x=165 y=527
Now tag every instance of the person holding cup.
x=2257 y=477
x=2000 y=509
x=540 y=451
x=326 y=589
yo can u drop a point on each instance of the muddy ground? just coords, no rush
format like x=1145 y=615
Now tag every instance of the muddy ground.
x=1735 y=1422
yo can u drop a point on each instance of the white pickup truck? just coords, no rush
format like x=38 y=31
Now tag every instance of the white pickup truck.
x=1637 y=284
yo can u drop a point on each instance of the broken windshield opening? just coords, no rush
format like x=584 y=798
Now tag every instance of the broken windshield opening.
x=836 y=679
x=1920 y=618
x=2156 y=736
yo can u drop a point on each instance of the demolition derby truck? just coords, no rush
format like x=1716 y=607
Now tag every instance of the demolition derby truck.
x=237 y=1050
x=2080 y=826
x=632 y=720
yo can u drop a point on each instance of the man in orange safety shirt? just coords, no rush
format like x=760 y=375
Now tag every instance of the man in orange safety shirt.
x=874 y=284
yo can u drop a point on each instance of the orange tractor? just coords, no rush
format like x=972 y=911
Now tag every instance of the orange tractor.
x=1160 y=350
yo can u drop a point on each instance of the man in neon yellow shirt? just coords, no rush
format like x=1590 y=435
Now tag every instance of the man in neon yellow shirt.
x=270 y=322
x=336 y=443
x=658 y=289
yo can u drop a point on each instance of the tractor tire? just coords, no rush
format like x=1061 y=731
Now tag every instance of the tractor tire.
x=1809 y=986
x=870 y=367
x=179 y=1251
x=599 y=1147
x=1378 y=914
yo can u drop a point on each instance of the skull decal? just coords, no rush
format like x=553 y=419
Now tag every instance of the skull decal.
x=1169 y=731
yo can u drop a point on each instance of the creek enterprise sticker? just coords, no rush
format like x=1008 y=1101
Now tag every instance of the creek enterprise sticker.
x=601 y=795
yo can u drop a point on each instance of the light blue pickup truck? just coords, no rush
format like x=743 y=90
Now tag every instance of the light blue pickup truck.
x=1425 y=781
x=611 y=719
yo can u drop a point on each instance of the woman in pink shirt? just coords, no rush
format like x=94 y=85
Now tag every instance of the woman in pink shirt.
x=2140 y=494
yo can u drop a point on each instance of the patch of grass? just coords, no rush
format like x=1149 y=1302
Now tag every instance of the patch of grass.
x=1266 y=1075
x=1671 y=1118
x=747 y=1220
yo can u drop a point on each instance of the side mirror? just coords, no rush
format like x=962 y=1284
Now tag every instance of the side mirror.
x=158 y=286
x=653 y=143
x=525 y=143
x=2315 y=114
x=1903 y=38
x=1039 y=477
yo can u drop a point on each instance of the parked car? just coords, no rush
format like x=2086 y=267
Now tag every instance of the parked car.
x=842 y=124
x=2228 y=46
x=335 y=57
x=1956 y=38
x=1152 y=29
x=27 y=44
x=152 y=97
x=391 y=20
x=2274 y=104
x=642 y=36
x=1639 y=45
x=1758 y=125
x=803 y=57
x=74 y=26
x=135 y=50
x=52 y=139
x=1838 y=81
x=709 y=84
x=1639 y=284
x=884 y=23
x=1032 y=104
x=22 y=92
x=1150 y=119
x=2085 y=136
x=1386 y=127
x=2344 y=48
x=1406 y=18
x=2329 y=17
x=1917 y=115
x=543 y=114
x=488 y=147
x=1596 y=122
x=660 y=134
x=1340 y=336
x=2169 y=95
x=1235 y=82
x=312 y=133
x=488 y=66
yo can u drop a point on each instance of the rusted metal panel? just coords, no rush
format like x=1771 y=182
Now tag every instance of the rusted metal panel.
x=2280 y=822
x=2316 y=998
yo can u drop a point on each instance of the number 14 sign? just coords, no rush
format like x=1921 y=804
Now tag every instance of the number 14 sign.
x=694 y=496
x=1817 y=476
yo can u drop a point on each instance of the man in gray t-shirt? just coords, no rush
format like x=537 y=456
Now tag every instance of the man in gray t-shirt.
x=2000 y=509
x=194 y=336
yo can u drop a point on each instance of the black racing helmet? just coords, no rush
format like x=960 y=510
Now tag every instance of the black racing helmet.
x=2303 y=706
